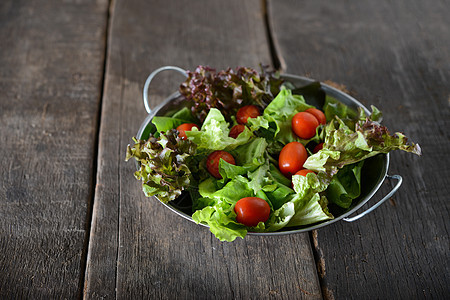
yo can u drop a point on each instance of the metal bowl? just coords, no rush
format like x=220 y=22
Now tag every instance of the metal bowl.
x=373 y=173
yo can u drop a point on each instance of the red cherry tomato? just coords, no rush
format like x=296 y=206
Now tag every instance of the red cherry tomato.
x=304 y=125
x=245 y=112
x=236 y=130
x=212 y=162
x=252 y=210
x=183 y=128
x=303 y=172
x=291 y=159
x=320 y=116
x=318 y=147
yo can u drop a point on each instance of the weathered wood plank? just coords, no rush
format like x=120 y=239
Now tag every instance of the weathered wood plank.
x=138 y=249
x=395 y=55
x=51 y=57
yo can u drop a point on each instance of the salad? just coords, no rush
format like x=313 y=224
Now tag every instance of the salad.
x=255 y=153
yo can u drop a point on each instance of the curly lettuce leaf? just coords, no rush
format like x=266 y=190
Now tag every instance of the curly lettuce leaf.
x=344 y=146
x=163 y=163
x=229 y=89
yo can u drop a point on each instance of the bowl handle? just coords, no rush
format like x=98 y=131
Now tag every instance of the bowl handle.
x=150 y=78
x=396 y=187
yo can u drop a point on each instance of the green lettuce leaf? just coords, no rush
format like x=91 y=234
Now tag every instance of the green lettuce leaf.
x=220 y=223
x=219 y=215
x=233 y=191
x=164 y=124
x=252 y=154
x=230 y=171
x=213 y=134
x=345 y=186
x=304 y=207
x=309 y=206
x=275 y=122
x=185 y=114
x=259 y=180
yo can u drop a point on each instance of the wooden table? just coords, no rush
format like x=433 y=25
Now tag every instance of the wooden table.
x=73 y=220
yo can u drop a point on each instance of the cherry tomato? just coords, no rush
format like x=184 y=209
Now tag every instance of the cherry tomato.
x=236 y=130
x=304 y=125
x=303 y=172
x=245 y=112
x=212 y=162
x=320 y=116
x=185 y=127
x=318 y=147
x=291 y=159
x=252 y=210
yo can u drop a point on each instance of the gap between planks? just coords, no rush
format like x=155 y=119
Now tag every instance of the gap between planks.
x=90 y=207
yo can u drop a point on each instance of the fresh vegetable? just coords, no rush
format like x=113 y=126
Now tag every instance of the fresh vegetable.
x=303 y=172
x=275 y=124
x=318 y=147
x=214 y=134
x=245 y=112
x=236 y=130
x=185 y=127
x=252 y=210
x=344 y=146
x=228 y=90
x=163 y=163
x=304 y=125
x=320 y=116
x=258 y=176
x=291 y=159
x=345 y=186
x=213 y=160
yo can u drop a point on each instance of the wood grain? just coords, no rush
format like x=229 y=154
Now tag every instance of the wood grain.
x=139 y=249
x=395 y=55
x=50 y=84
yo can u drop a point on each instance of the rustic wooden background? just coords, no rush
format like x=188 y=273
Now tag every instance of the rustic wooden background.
x=73 y=221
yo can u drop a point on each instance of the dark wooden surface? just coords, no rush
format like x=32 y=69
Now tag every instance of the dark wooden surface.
x=73 y=221
x=395 y=55
x=51 y=69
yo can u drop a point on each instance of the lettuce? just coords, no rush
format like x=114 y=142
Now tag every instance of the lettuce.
x=220 y=219
x=220 y=216
x=304 y=207
x=164 y=124
x=275 y=122
x=252 y=154
x=344 y=146
x=163 y=161
x=213 y=134
x=172 y=121
x=228 y=90
x=345 y=185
